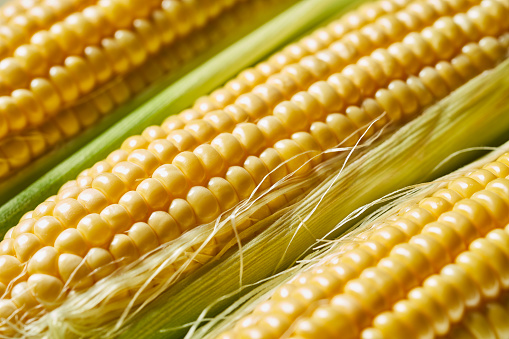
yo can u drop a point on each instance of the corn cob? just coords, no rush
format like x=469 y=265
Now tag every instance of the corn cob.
x=445 y=254
x=78 y=205
x=61 y=75
x=17 y=151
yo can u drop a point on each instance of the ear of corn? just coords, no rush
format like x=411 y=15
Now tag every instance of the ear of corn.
x=275 y=121
x=70 y=129
x=413 y=274
x=64 y=130
x=456 y=119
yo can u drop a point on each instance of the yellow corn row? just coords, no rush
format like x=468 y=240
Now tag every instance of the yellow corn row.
x=18 y=150
x=381 y=65
x=42 y=72
x=414 y=275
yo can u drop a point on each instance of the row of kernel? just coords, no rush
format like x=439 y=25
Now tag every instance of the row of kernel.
x=478 y=274
x=332 y=119
x=20 y=28
x=315 y=57
x=412 y=220
x=80 y=75
x=255 y=104
x=17 y=151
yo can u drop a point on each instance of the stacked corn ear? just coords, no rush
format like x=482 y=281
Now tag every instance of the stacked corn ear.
x=65 y=64
x=437 y=268
x=378 y=66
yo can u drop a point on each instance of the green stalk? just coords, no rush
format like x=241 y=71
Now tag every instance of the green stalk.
x=25 y=176
x=181 y=94
x=477 y=114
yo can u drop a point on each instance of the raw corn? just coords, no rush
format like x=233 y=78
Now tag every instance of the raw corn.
x=19 y=150
x=154 y=187
x=85 y=54
x=487 y=322
x=414 y=274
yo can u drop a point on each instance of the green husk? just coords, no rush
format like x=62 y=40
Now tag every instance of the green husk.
x=25 y=176
x=203 y=79
x=477 y=114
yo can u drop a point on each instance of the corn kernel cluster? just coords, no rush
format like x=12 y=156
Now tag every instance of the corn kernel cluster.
x=383 y=63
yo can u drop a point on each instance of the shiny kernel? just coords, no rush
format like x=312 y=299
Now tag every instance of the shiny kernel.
x=191 y=167
x=201 y=129
x=123 y=249
x=71 y=241
x=172 y=179
x=407 y=100
x=95 y=230
x=182 y=139
x=270 y=94
x=64 y=83
x=254 y=106
x=144 y=159
x=204 y=204
x=212 y=161
x=164 y=226
x=224 y=193
x=144 y=237
x=29 y=106
x=494 y=204
x=101 y=262
x=45 y=288
x=345 y=88
x=13 y=73
x=310 y=146
x=46 y=94
x=272 y=128
x=129 y=173
x=241 y=181
x=295 y=160
x=6 y=247
x=25 y=245
x=361 y=79
x=495 y=258
x=152 y=133
x=74 y=271
x=43 y=209
x=343 y=128
x=220 y=120
x=110 y=185
x=285 y=84
x=317 y=67
x=250 y=136
x=10 y=268
x=300 y=75
x=135 y=205
x=183 y=214
x=47 y=229
x=476 y=213
x=484 y=276
x=44 y=261
x=389 y=104
x=164 y=150
x=324 y=135
x=93 y=200
x=229 y=147
x=82 y=73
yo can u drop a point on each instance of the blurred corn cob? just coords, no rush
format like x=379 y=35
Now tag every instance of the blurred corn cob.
x=72 y=89
x=138 y=192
